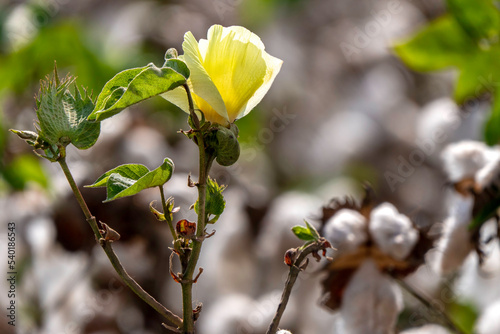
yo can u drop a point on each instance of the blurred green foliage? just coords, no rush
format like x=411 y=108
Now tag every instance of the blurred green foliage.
x=24 y=169
x=464 y=315
x=466 y=38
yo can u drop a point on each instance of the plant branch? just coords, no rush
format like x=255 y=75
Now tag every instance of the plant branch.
x=106 y=246
x=166 y=212
x=205 y=162
x=194 y=117
x=295 y=269
x=443 y=315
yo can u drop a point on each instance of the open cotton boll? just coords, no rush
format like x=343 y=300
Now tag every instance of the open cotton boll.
x=371 y=303
x=393 y=232
x=490 y=171
x=283 y=332
x=346 y=230
x=427 y=329
x=455 y=244
x=489 y=322
x=464 y=159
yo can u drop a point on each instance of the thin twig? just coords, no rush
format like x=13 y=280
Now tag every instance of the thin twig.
x=445 y=317
x=295 y=269
x=106 y=246
x=166 y=212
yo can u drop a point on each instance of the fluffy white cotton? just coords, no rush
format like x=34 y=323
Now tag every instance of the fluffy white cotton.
x=393 y=232
x=283 y=332
x=486 y=175
x=455 y=244
x=489 y=321
x=471 y=159
x=464 y=159
x=371 y=303
x=346 y=230
x=428 y=329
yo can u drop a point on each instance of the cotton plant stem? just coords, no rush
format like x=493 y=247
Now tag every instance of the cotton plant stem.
x=446 y=319
x=205 y=162
x=290 y=281
x=129 y=281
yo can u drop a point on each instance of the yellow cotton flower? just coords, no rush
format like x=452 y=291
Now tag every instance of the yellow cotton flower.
x=230 y=73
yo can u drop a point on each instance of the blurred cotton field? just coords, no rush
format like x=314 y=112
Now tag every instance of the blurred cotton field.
x=343 y=112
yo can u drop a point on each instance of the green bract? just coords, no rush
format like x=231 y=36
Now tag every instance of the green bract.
x=466 y=39
x=138 y=84
x=128 y=180
x=62 y=117
x=215 y=202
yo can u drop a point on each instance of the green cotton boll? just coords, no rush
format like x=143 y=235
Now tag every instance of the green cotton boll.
x=227 y=150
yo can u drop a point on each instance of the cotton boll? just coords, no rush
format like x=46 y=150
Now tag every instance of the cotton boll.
x=428 y=329
x=370 y=304
x=346 y=230
x=393 y=232
x=489 y=321
x=490 y=171
x=283 y=332
x=464 y=159
x=455 y=244
x=479 y=284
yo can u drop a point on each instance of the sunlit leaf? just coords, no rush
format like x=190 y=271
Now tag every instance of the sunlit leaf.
x=303 y=233
x=138 y=84
x=128 y=180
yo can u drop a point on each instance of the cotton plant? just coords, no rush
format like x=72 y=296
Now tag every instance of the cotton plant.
x=216 y=81
x=472 y=169
x=375 y=244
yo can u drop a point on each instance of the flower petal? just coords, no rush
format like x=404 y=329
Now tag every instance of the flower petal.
x=178 y=96
x=273 y=67
x=236 y=62
x=206 y=96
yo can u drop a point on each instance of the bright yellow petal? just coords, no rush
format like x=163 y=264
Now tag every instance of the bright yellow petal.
x=273 y=66
x=202 y=84
x=234 y=60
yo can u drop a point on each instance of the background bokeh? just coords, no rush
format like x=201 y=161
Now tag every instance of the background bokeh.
x=343 y=110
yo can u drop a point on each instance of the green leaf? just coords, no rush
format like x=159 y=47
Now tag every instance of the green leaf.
x=303 y=233
x=313 y=230
x=464 y=315
x=131 y=171
x=63 y=117
x=215 y=203
x=492 y=127
x=439 y=45
x=128 y=180
x=480 y=19
x=138 y=84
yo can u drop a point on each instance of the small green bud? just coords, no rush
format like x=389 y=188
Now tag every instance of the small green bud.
x=227 y=149
x=171 y=54
x=26 y=135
